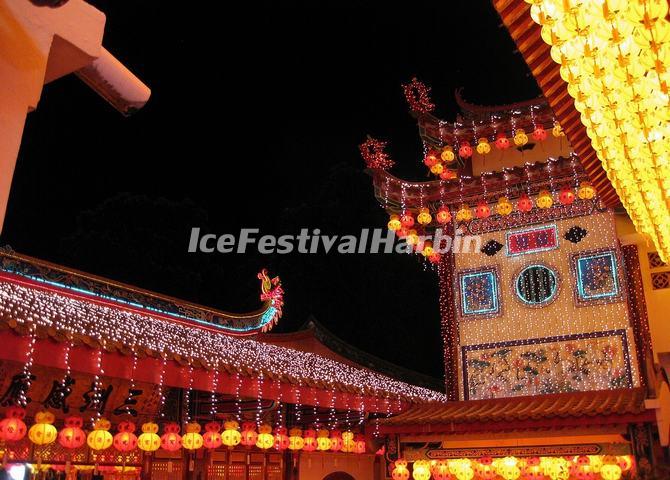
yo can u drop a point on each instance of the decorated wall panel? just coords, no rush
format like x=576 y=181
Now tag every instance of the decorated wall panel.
x=561 y=279
x=547 y=365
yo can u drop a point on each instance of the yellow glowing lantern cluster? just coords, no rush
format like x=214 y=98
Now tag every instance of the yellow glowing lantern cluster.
x=421 y=470
x=614 y=56
x=231 y=435
x=591 y=467
x=100 y=438
x=323 y=440
x=192 y=440
x=43 y=432
x=149 y=441
x=265 y=439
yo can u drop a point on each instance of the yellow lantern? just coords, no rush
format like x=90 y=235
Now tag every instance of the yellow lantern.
x=394 y=223
x=483 y=146
x=43 y=432
x=610 y=472
x=421 y=470
x=448 y=154
x=322 y=440
x=348 y=443
x=596 y=462
x=558 y=469
x=544 y=199
x=265 y=439
x=295 y=440
x=192 y=440
x=504 y=207
x=461 y=468
x=424 y=217
x=520 y=138
x=149 y=441
x=464 y=214
x=428 y=249
x=586 y=191
x=508 y=468
x=231 y=435
x=437 y=169
x=412 y=238
x=100 y=438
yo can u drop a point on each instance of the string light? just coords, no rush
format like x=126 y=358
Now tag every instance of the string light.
x=213 y=409
x=51 y=310
x=28 y=366
x=187 y=397
x=161 y=389
x=259 y=398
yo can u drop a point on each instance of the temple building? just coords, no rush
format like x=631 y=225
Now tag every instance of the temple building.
x=548 y=338
x=554 y=326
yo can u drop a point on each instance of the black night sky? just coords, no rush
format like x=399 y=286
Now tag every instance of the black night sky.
x=254 y=121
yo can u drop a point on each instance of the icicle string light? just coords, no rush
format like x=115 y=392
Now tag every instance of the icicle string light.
x=51 y=310
x=28 y=366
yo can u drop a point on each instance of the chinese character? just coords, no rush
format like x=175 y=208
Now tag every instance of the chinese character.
x=95 y=399
x=57 y=397
x=16 y=392
x=126 y=406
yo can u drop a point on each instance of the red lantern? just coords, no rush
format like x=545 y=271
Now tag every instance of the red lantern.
x=72 y=435
x=525 y=204
x=407 y=219
x=465 y=150
x=359 y=446
x=566 y=196
x=448 y=174
x=502 y=142
x=482 y=210
x=400 y=471
x=309 y=436
x=12 y=427
x=539 y=134
x=249 y=435
x=171 y=440
x=125 y=440
x=434 y=258
x=212 y=438
x=440 y=470
x=335 y=440
x=431 y=159
x=443 y=215
x=281 y=439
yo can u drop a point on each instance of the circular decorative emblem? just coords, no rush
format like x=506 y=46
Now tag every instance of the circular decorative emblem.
x=536 y=285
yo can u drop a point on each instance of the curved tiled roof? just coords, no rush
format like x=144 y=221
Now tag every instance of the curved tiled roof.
x=66 y=314
x=575 y=405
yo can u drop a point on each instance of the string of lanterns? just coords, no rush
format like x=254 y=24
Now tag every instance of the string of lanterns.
x=403 y=224
x=583 y=467
x=72 y=435
x=439 y=161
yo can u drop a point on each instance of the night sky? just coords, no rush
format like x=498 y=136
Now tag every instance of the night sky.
x=254 y=121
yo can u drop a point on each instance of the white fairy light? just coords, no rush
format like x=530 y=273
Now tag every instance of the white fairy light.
x=117 y=326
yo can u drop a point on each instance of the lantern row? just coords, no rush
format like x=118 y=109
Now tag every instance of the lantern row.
x=403 y=224
x=72 y=435
x=583 y=467
x=438 y=162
